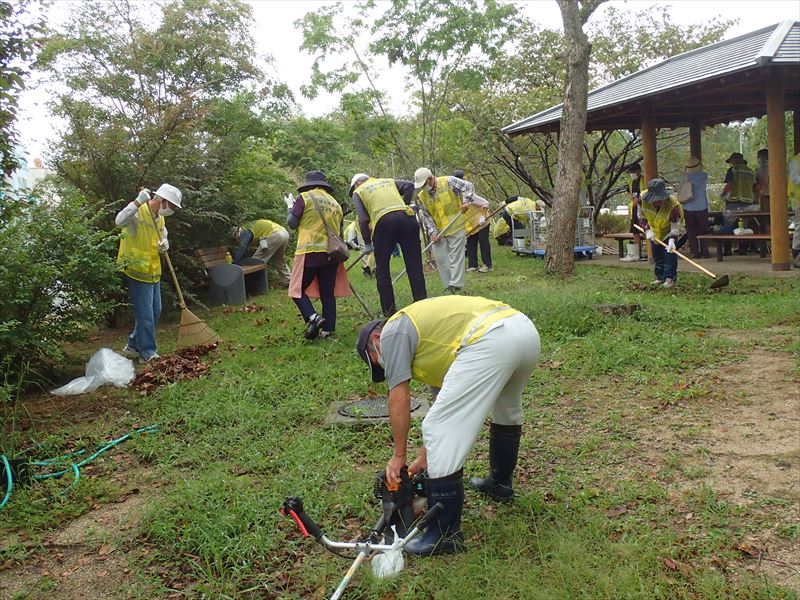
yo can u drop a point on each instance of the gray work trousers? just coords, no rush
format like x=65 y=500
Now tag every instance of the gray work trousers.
x=275 y=254
x=449 y=255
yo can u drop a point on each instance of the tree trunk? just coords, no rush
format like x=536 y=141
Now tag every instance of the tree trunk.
x=569 y=172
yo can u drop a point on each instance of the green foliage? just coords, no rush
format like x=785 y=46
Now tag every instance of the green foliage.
x=21 y=22
x=55 y=272
x=177 y=100
x=609 y=223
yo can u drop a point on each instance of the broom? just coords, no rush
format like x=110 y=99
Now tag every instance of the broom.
x=192 y=331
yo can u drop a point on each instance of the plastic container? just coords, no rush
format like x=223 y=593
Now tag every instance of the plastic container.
x=228 y=258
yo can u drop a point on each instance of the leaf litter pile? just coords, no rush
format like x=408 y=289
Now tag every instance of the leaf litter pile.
x=183 y=364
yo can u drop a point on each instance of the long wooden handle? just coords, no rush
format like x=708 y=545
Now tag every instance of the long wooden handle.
x=169 y=262
x=686 y=258
x=486 y=223
x=428 y=247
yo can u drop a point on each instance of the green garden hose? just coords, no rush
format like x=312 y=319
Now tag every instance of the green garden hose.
x=66 y=461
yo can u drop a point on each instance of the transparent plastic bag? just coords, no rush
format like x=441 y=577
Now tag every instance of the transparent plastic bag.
x=106 y=366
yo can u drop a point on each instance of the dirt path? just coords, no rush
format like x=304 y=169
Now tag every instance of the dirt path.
x=743 y=441
x=86 y=559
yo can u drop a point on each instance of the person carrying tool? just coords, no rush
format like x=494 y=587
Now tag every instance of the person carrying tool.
x=354 y=241
x=314 y=273
x=442 y=202
x=269 y=240
x=385 y=220
x=139 y=249
x=476 y=217
x=479 y=353
x=661 y=219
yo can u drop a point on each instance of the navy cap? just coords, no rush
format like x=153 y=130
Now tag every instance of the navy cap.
x=375 y=370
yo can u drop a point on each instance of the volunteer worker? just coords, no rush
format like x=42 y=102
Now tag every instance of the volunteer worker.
x=269 y=240
x=480 y=354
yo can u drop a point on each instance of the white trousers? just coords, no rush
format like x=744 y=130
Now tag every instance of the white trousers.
x=275 y=254
x=449 y=255
x=490 y=374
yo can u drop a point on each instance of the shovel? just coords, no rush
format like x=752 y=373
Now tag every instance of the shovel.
x=719 y=282
x=192 y=331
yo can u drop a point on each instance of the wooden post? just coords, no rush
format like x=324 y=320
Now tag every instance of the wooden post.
x=649 y=146
x=776 y=142
x=695 y=144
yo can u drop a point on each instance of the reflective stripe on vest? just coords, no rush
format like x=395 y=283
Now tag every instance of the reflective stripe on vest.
x=519 y=209
x=659 y=220
x=444 y=207
x=380 y=196
x=138 y=253
x=261 y=229
x=312 y=235
x=743 y=180
x=446 y=325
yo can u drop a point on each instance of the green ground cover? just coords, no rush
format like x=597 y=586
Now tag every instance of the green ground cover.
x=594 y=517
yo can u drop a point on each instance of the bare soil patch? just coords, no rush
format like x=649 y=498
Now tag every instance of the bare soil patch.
x=743 y=441
x=86 y=559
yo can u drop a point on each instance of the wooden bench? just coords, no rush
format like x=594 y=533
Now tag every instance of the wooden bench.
x=626 y=237
x=229 y=283
x=719 y=239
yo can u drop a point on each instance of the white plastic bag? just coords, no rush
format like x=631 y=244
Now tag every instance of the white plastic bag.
x=106 y=366
x=389 y=562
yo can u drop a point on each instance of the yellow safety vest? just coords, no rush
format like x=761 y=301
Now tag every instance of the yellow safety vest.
x=743 y=180
x=261 y=229
x=444 y=326
x=444 y=207
x=793 y=189
x=139 y=253
x=473 y=217
x=659 y=220
x=312 y=235
x=500 y=228
x=519 y=209
x=380 y=196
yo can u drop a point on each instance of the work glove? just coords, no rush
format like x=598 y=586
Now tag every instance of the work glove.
x=263 y=244
x=671 y=245
x=163 y=245
x=144 y=196
x=289 y=200
x=649 y=235
x=481 y=220
x=368 y=249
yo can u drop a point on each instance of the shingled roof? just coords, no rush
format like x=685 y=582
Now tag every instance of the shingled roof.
x=719 y=83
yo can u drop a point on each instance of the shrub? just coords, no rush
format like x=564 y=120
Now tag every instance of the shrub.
x=608 y=223
x=56 y=276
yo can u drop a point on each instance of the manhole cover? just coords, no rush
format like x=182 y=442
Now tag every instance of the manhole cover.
x=370 y=408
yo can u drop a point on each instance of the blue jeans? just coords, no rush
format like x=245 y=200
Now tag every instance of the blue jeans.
x=666 y=262
x=146 y=301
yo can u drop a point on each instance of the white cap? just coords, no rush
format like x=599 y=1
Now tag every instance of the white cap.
x=356 y=178
x=170 y=193
x=421 y=176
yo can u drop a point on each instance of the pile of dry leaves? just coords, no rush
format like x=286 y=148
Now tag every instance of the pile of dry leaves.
x=183 y=364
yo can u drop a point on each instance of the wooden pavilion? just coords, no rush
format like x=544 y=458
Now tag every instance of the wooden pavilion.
x=751 y=75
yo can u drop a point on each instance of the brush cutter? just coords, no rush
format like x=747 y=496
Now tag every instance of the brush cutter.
x=385 y=541
x=719 y=282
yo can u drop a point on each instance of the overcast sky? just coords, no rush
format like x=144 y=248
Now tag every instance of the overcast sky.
x=275 y=34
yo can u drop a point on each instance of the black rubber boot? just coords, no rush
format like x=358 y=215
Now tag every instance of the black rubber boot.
x=443 y=535
x=503 y=452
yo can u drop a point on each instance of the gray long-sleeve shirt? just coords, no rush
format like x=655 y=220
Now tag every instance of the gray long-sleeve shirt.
x=129 y=217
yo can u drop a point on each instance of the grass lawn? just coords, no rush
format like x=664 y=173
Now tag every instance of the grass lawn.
x=659 y=457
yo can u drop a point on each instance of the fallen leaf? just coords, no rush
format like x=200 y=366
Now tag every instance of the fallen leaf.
x=105 y=550
x=750 y=549
x=615 y=512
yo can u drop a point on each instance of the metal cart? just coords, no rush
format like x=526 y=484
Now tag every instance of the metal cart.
x=532 y=239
